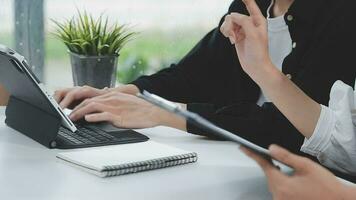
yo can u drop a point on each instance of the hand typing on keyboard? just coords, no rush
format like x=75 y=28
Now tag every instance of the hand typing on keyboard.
x=120 y=109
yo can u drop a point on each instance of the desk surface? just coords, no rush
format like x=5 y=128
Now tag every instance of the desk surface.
x=30 y=171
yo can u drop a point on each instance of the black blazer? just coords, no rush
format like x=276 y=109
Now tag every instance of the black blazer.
x=211 y=81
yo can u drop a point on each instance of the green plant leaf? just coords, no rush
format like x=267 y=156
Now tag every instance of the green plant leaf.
x=85 y=35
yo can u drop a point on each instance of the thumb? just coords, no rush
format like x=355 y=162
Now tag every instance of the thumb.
x=271 y=172
x=288 y=158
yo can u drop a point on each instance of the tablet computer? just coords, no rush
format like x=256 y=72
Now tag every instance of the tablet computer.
x=199 y=121
x=34 y=102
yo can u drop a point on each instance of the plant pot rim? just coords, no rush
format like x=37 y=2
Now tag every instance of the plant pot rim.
x=86 y=56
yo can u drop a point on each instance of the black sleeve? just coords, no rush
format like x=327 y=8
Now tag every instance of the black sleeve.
x=211 y=81
x=332 y=58
x=183 y=82
x=200 y=76
x=261 y=125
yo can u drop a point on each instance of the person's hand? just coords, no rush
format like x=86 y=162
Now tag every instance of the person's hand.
x=71 y=97
x=4 y=96
x=125 y=111
x=309 y=181
x=249 y=34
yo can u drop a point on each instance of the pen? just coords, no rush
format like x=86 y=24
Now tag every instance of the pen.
x=202 y=123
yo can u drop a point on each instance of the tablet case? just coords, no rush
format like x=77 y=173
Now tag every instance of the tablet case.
x=43 y=127
x=32 y=122
x=30 y=112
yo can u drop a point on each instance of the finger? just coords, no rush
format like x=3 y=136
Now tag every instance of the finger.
x=237 y=29
x=284 y=156
x=244 y=22
x=239 y=34
x=227 y=29
x=234 y=34
x=232 y=38
x=271 y=172
x=254 y=10
x=102 y=117
x=265 y=165
x=59 y=94
x=231 y=30
x=79 y=94
x=69 y=98
x=90 y=108
x=225 y=26
x=100 y=98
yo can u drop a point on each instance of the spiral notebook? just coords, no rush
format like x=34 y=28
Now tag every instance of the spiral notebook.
x=128 y=158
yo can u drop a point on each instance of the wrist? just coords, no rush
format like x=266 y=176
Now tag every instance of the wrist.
x=169 y=119
x=127 y=89
x=266 y=73
x=270 y=76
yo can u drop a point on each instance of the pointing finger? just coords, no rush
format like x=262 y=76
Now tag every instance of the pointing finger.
x=254 y=11
x=253 y=8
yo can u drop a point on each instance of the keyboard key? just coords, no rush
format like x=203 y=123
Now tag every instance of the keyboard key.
x=85 y=135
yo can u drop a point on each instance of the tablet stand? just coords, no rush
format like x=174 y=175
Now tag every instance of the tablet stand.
x=32 y=121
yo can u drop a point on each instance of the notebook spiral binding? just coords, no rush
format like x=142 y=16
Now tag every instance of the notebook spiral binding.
x=116 y=170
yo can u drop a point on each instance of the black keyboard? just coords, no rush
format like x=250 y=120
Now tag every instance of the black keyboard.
x=85 y=135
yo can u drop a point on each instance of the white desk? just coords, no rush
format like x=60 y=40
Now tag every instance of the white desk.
x=30 y=171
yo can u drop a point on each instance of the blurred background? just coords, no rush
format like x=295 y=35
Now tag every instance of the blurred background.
x=168 y=29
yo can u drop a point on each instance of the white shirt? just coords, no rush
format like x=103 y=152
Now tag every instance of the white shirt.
x=334 y=139
x=279 y=44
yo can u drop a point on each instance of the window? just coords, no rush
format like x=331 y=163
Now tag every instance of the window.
x=168 y=29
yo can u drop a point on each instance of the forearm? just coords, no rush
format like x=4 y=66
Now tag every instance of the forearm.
x=127 y=89
x=171 y=120
x=302 y=111
x=162 y=117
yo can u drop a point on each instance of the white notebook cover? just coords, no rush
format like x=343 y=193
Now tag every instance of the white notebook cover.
x=96 y=160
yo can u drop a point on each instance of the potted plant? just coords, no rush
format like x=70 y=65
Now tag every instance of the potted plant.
x=94 y=48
